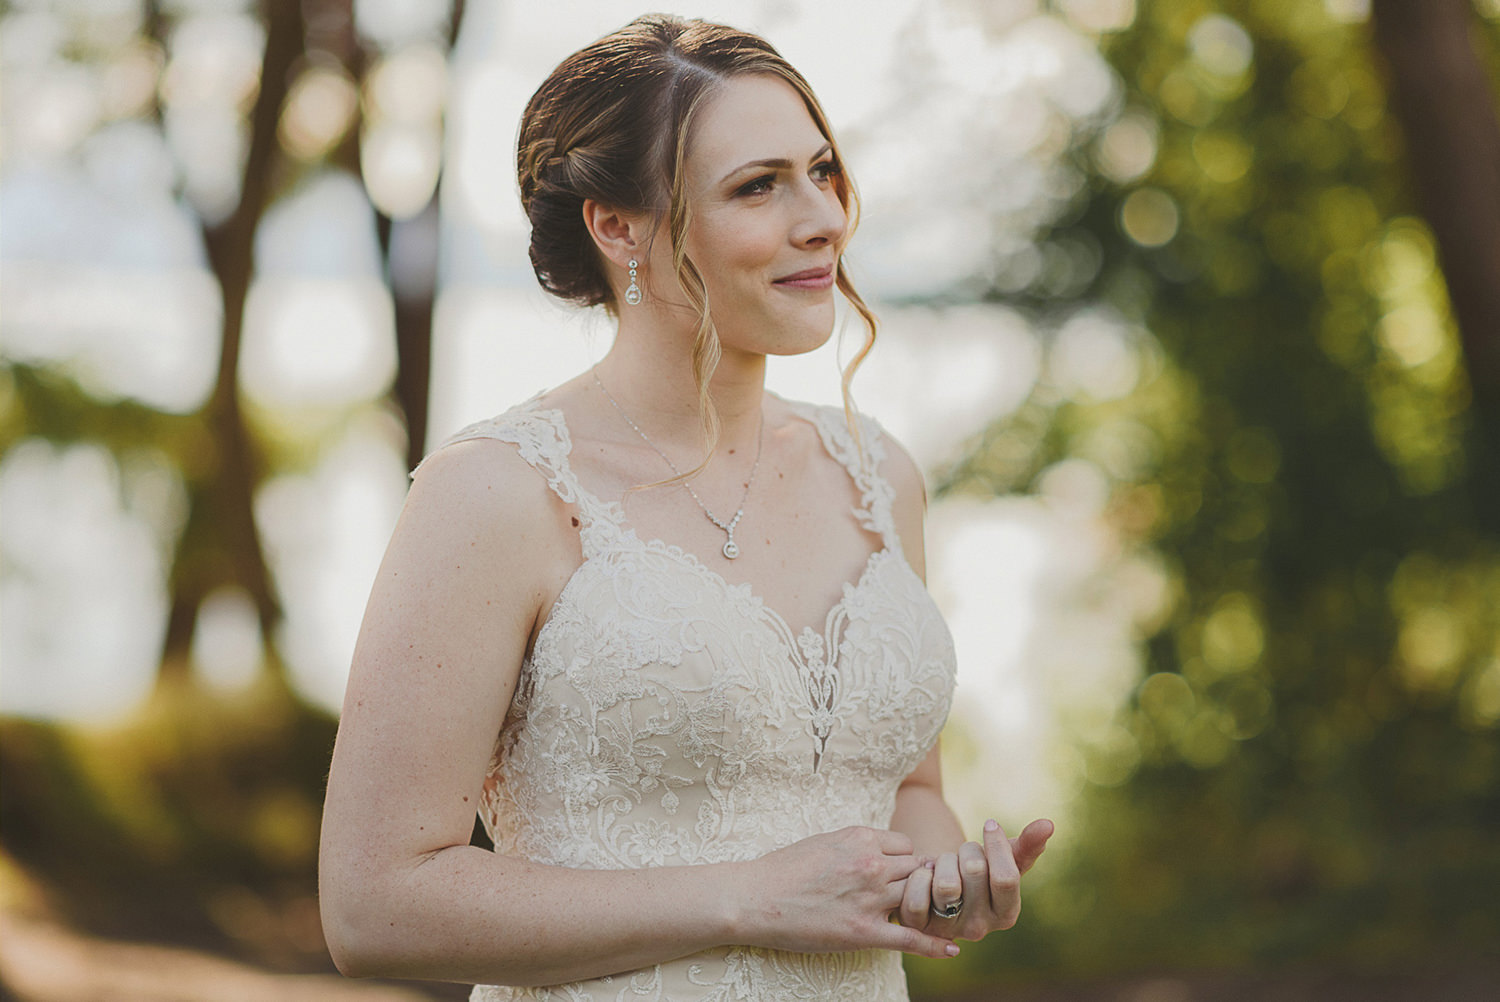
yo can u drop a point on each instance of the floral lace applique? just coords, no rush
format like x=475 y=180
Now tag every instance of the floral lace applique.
x=667 y=717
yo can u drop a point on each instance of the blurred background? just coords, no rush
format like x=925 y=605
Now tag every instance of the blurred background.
x=1190 y=310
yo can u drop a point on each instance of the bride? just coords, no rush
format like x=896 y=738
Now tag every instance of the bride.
x=664 y=630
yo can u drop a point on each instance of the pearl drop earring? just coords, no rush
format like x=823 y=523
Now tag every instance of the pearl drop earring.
x=633 y=291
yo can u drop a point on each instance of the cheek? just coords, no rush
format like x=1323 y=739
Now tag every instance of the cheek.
x=735 y=253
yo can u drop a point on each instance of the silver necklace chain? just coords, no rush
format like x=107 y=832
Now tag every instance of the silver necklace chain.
x=731 y=549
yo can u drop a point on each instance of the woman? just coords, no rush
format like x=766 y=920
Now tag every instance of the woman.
x=690 y=610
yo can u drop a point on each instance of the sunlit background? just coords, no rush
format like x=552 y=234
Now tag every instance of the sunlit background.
x=1161 y=318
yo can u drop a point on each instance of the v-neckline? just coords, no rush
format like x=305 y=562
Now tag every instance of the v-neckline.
x=784 y=628
x=613 y=512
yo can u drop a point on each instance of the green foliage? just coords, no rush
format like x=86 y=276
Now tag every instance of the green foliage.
x=1310 y=768
x=195 y=822
x=44 y=403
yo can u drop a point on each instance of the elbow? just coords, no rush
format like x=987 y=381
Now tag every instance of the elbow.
x=353 y=965
x=360 y=955
x=354 y=905
x=350 y=932
x=348 y=957
x=349 y=963
x=375 y=923
x=349 y=949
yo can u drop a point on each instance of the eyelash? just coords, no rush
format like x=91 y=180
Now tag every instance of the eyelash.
x=830 y=168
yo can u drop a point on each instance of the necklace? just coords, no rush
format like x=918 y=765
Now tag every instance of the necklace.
x=731 y=549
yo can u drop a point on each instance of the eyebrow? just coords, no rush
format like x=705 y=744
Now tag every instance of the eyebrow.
x=777 y=163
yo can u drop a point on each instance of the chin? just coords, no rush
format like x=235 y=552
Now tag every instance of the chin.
x=802 y=345
x=807 y=332
x=796 y=335
x=776 y=333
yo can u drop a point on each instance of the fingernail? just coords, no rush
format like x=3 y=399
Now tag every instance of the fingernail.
x=930 y=864
x=992 y=825
x=951 y=949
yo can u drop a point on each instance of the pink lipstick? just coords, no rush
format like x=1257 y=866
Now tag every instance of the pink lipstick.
x=812 y=278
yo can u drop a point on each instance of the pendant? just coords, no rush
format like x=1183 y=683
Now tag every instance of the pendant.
x=731 y=548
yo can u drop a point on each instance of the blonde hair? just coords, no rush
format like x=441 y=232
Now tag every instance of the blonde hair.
x=612 y=124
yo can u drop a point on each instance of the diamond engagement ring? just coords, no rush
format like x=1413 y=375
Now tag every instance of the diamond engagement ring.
x=949 y=911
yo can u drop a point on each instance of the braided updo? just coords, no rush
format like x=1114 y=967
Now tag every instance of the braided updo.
x=611 y=123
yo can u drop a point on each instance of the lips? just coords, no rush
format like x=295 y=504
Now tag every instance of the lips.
x=811 y=274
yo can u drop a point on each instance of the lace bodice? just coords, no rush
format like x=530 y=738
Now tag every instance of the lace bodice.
x=666 y=717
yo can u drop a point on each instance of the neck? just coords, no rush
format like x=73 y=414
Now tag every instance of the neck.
x=651 y=376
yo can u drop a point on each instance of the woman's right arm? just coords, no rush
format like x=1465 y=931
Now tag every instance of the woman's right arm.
x=479 y=550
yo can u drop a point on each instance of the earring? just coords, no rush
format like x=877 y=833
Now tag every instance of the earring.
x=633 y=291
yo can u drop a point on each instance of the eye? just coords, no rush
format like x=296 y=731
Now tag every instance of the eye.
x=759 y=186
x=827 y=169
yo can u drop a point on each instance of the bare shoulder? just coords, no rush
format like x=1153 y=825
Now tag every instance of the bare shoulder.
x=478 y=507
x=480 y=484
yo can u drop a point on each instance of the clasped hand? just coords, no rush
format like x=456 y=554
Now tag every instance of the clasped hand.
x=839 y=891
x=985 y=877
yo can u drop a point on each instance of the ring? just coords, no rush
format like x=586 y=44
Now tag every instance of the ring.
x=949 y=911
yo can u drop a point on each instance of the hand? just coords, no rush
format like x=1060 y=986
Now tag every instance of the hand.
x=986 y=878
x=836 y=892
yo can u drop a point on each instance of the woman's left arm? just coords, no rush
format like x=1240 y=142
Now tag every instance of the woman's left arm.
x=923 y=815
x=985 y=875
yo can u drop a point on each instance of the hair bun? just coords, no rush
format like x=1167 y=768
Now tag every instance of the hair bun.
x=607 y=125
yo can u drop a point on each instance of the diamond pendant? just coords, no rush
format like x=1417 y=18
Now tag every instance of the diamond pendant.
x=731 y=548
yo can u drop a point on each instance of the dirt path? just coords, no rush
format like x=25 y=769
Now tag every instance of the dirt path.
x=41 y=961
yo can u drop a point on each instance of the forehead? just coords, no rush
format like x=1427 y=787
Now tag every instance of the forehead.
x=751 y=117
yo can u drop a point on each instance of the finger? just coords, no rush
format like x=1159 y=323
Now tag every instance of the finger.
x=892 y=898
x=909 y=940
x=896 y=868
x=974 y=869
x=916 y=903
x=1005 y=875
x=947 y=885
x=893 y=843
x=1028 y=846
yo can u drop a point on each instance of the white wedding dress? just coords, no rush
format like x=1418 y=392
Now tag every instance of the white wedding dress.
x=666 y=717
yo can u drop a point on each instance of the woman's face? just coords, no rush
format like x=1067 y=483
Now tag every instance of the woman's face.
x=767 y=227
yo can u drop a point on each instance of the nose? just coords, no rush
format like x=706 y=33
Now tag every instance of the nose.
x=821 y=219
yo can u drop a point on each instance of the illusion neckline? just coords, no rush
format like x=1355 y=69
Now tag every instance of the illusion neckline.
x=612 y=513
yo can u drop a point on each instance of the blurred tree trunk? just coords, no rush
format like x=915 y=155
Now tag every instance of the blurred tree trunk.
x=1445 y=103
x=220 y=544
x=408 y=249
x=413 y=281
x=413 y=278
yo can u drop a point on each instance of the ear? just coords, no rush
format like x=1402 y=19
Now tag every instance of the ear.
x=619 y=235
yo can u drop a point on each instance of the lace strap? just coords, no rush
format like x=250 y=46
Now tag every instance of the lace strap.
x=541 y=437
x=862 y=459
